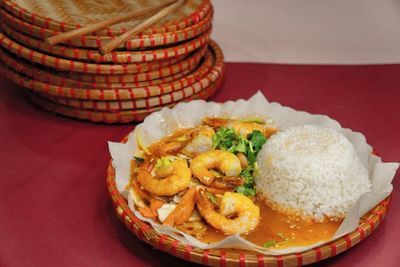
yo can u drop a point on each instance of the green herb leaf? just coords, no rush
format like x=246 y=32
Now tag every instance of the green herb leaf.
x=249 y=192
x=139 y=160
x=212 y=198
x=247 y=174
x=257 y=140
x=242 y=145
x=224 y=138
x=269 y=243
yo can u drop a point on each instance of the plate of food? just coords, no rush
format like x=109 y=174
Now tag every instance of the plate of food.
x=247 y=182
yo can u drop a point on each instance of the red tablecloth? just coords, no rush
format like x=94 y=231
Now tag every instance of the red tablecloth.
x=54 y=207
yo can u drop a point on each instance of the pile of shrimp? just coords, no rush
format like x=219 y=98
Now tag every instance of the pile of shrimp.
x=183 y=182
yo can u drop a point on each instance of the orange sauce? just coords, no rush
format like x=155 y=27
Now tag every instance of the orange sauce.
x=285 y=231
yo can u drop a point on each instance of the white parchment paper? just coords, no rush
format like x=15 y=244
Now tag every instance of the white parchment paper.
x=184 y=115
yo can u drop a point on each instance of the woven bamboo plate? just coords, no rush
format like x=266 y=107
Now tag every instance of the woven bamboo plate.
x=188 y=62
x=110 y=82
x=121 y=80
x=227 y=257
x=113 y=117
x=115 y=94
x=147 y=41
x=144 y=97
x=74 y=66
x=66 y=15
x=140 y=103
x=92 y=55
x=61 y=79
x=115 y=57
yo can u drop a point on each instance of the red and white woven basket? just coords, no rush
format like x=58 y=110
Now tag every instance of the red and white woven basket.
x=227 y=257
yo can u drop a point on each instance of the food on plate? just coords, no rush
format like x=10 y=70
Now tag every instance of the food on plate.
x=244 y=177
x=221 y=160
x=312 y=172
x=246 y=213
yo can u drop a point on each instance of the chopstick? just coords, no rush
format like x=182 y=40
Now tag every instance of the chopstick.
x=139 y=28
x=103 y=24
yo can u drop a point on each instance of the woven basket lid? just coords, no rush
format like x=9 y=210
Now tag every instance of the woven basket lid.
x=86 y=55
x=81 y=67
x=83 y=81
x=66 y=15
x=115 y=94
x=125 y=116
x=184 y=77
x=135 y=57
x=180 y=94
x=141 y=41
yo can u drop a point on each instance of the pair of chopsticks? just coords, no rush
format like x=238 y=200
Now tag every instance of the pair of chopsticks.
x=166 y=8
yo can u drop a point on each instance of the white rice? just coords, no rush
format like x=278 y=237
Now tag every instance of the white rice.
x=311 y=172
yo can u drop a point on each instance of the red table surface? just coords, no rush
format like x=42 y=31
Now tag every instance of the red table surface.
x=54 y=206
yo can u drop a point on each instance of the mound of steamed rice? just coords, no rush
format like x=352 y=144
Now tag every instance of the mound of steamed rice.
x=311 y=172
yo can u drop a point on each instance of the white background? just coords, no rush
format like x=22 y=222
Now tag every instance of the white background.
x=309 y=31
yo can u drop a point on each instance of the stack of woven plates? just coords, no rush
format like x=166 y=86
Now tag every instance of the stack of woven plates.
x=174 y=60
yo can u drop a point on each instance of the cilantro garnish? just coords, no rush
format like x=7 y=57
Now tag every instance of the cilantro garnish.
x=225 y=138
x=247 y=191
x=228 y=139
x=269 y=243
x=256 y=141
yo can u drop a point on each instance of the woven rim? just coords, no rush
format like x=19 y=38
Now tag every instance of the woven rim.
x=45 y=22
x=74 y=66
x=83 y=55
x=91 y=81
x=141 y=103
x=114 y=117
x=226 y=257
x=186 y=77
x=93 y=55
x=114 y=94
x=154 y=40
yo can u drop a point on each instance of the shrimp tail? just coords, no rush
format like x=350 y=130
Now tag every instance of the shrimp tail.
x=204 y=205
x=228 y=183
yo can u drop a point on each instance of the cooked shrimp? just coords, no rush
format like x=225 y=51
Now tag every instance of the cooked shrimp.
x=183 y=210
x=228 y=183
x=224 y=184
x=178 y=180
x=201 y=141
x=243 y=128
x=226 y=161
x=247 y=214
x=191 y=142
